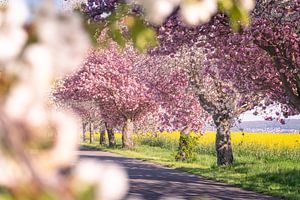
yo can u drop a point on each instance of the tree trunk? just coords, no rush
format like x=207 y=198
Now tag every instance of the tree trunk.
x=83 y=131
x=102 y=137
x=91 y=133
x=223 y=140
x=184 y=151
x=127 y=134
x=111 y=136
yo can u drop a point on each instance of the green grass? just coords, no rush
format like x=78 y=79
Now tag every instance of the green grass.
x=272 y=173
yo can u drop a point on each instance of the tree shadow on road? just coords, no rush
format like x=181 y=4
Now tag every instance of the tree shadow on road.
x=150 y=181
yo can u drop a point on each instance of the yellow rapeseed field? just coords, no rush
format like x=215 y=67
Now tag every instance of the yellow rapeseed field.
x=269 y=140
x=242 y=139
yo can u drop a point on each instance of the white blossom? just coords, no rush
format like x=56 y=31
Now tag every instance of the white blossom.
x=17 y=13
x=64 y=150
x=11 y=40
x=158 y=10
x=196 y=12
x=41 y=70
x=193 y=12
x=248 y=4
x=12 y=34
x=19 y=101
x=37 y=115
x=62 y=32
x=113 y=176
x=11 y=174
x=106 y=176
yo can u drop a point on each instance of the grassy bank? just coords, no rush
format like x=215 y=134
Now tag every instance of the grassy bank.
x=271 y=169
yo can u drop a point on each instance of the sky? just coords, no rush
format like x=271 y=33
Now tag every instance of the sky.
x=248 y=116
x=36 y=2
x=59 y=3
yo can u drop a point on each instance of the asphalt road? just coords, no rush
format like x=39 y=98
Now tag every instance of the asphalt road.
x=150 y=181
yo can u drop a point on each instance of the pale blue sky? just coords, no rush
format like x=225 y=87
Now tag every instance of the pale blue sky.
x=248 y=116
x=36 y=2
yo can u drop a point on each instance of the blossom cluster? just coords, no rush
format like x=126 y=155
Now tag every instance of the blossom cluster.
x=192 y=12
x=39 y=141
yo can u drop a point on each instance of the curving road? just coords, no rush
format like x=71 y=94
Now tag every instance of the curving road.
x=150 y=181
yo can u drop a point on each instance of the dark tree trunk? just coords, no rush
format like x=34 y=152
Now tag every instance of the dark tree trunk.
x=183 y=153
x=223 y=140
x=111 y=136
x=91 y=133
x=127 y=134
x=102 y=137
x=83 y=131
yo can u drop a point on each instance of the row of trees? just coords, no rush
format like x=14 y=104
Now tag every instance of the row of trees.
x=195 y=73
x=257 y=66
x=95 y=125
x=123 y=87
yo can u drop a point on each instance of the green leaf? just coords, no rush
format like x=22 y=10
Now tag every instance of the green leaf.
x=93 y=30
x=238 y=17
x=237 y=14
x=86 y=193
x=225 y=5
x=115 y=34
x=48 y=196
x=5 y=195
x=143 y=37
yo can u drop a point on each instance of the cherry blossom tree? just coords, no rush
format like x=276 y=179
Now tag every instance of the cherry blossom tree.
x=262 y=60
x=263 y=57
x=179 y=107
x=199 y=53
x=126 y=87
x=216 y=95
x=276 y=30
x=64 y=97
x=106 y=79
x=89 y=112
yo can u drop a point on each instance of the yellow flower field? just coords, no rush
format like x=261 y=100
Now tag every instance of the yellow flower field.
x=268 y=161
x=242 y=139
x=269 y=140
